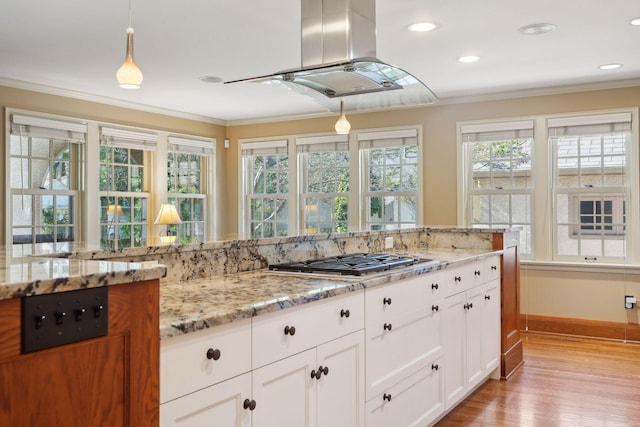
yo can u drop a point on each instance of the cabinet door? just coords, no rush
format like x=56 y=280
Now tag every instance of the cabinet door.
x=491 y=326
x=218 y=405
x=473 y=331
x=341 y=392
x=454 y=343
x=413 y=402
x=285 y=392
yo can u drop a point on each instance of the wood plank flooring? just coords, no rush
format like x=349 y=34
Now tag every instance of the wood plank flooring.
x=565 y=381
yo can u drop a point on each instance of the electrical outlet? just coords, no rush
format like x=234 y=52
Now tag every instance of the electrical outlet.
x=388 y=242
x=629 y=301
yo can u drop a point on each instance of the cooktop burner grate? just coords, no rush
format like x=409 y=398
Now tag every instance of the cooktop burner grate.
x=352 y=264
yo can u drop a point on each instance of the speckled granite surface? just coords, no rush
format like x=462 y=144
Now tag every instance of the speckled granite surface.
x=202 y=303
x=27 y=275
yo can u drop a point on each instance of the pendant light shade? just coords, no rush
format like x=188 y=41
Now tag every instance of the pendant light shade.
x=129 y=74
x=342 y=125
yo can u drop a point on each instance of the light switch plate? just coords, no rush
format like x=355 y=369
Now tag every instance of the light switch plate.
x=388 y=242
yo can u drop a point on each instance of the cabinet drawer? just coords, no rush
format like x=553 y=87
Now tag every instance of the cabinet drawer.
x=415 y=401
x=391 y=303
x=281 y=334
x=461 y=278
x=402 y=351
x=190 y=362
x=491 y=268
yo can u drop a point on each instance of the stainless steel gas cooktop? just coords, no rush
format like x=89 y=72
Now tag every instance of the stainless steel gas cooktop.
x=353 y=264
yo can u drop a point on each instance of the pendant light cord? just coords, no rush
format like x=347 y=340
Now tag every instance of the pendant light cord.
x=130 y=13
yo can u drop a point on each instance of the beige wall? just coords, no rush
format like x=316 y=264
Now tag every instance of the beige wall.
x=439 y=138
x=52 y=104
x=550 y=293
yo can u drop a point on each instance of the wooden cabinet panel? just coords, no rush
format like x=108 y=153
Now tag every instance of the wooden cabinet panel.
x=111 y=380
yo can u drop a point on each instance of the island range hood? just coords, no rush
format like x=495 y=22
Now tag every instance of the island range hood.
x=339 y=59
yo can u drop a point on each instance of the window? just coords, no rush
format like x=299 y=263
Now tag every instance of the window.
x=390 y=190
x=44 y=179
x=187 y=162
x=498 y=176
x=325 y=183
x=569 y=182
x=265 y=167
x=591 y=185
x=124 y=187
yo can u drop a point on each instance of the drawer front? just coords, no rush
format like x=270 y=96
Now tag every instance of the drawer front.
x=414 y=401
x=491 y=267
x=197 y=360
x=459 y=279
x=391 y=303
x=284 y=333
x=405 y=349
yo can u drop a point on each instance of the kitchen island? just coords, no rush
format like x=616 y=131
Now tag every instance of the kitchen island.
x=79 y=344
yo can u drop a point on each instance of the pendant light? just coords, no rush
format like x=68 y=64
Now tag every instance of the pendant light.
x=342 y=125
x=129 y=75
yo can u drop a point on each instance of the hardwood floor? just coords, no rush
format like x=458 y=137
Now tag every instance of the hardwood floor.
x=565 y=381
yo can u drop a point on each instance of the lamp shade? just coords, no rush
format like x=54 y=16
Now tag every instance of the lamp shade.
x=129 y=74
x=168 y=215
x=114 y=210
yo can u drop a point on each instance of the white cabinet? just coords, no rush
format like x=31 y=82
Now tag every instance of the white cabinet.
x=322 y=387
x=222 y=404
x=415 y=401
x=471 y=334
x=402 y=329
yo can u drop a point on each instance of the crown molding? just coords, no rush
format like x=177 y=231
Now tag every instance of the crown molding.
x=67 y=93
x=496 y=96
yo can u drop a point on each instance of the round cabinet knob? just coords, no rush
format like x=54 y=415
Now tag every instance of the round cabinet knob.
x=434 y=367
x=213 y=354
x=249 y=404
x=386 y=397
x=387 y=326
x=487 y=297
x=493 y=267
x=477 y=272
x=470 y=305
x=324 y=370
x=457 y=279
x=345 y=313
x=386 y=301
x=435 y=308
x=434 y=286
x=290 y=330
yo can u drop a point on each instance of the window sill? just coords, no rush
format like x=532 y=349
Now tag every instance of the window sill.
x=580 y=267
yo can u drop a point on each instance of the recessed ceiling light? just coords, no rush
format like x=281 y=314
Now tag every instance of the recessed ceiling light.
x=421 y=27
x=635 y=22
x=610 y=66
x=535 y=29
x=467 y=59
x=211 y=79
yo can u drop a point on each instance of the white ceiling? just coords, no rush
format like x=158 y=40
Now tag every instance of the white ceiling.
x=75 y=47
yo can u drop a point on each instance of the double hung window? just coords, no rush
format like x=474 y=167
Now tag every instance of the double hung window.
x=187 y=164
x=265 y=167
x=45 y=158
x=591 y=185
x=391 y=178
x=325 y=183
x=124 y=187
x=498 y=176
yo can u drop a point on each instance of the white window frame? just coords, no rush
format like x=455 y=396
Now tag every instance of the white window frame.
x=205 y=149
x=53 y=128
x=391 y=138
x=543 y=201
x=471 y=134
x=310 y=218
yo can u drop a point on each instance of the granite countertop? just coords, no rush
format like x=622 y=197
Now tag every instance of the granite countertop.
x=27 y=274
x=202 y=303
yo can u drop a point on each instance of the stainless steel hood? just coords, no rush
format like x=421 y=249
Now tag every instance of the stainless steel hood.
x=339 y=59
